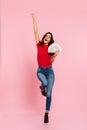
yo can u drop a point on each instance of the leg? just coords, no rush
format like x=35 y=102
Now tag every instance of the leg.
x=51 y=79
x=43 y=79
x=49 y=96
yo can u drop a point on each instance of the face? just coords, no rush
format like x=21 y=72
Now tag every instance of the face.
x=47 y=38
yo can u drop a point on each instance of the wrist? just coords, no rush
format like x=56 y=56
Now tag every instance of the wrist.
x=54 y=56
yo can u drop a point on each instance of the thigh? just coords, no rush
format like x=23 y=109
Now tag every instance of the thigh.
x=41 y=76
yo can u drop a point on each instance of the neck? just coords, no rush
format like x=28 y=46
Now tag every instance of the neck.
x=45 y=43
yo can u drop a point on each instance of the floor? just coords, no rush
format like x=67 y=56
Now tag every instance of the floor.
x=24 y=120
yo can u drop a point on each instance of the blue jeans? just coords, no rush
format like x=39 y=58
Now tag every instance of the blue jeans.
x=46 y=77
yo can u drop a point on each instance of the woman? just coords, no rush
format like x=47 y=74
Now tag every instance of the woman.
x=45 y=71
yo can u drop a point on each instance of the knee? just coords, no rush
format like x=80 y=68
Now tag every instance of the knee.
x=45 y=83
x=49 y=94
x=42 y=79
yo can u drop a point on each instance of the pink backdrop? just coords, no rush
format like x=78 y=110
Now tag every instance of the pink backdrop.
x=19 y=86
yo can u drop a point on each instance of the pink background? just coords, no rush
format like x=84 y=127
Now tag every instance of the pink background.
x=21 y=104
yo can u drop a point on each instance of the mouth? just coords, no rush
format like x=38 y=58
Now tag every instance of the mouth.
x=45 y=40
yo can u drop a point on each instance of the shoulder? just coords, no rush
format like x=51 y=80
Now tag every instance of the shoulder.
x=38 y=43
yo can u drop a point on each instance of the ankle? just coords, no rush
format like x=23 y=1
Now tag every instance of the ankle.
x=47 y=111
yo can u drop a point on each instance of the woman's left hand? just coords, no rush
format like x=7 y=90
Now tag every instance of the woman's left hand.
x=54 y=55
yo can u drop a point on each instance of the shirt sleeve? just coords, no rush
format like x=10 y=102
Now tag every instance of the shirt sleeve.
x=38 y=43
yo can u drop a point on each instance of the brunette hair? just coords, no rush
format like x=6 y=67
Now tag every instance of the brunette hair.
x=51 y=41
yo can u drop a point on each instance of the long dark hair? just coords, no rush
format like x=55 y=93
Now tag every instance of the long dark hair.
x=51 y=41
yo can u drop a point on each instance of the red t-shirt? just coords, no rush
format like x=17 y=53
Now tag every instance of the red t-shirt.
x=43 y=57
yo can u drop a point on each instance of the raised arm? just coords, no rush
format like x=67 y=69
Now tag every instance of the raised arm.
x=35 y=28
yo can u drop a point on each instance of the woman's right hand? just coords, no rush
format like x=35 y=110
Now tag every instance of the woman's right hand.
x=32 y=14
x=35 y=28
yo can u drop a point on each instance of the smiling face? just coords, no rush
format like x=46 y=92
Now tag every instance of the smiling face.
x=47 y=38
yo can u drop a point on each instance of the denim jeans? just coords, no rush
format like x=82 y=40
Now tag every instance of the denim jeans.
x=46 y=77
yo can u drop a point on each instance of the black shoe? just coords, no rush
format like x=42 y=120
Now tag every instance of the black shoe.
x=46 y=118
x=43 y=91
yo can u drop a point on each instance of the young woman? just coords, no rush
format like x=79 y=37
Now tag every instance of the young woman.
x=45 y=72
